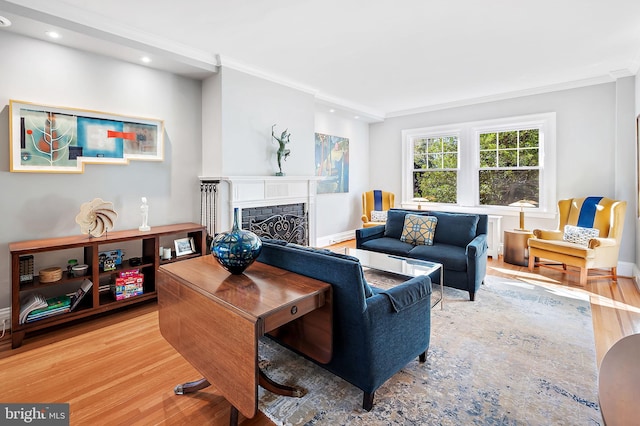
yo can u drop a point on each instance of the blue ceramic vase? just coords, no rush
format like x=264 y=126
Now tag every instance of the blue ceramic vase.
x=235 y=250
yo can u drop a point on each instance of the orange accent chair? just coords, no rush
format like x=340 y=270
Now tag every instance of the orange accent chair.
x=376 y=200
x=573 y=246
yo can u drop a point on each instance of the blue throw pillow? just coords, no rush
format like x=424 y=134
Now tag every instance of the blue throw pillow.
x=395 y=223
x=457 y=229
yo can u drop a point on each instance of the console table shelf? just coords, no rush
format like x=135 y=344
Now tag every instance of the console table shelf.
x=146 y=246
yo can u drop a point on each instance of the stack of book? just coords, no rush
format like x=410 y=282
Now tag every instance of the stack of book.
x=31 y=302
x=36 y=307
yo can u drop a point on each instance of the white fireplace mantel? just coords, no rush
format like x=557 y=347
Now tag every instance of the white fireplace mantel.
x=259 y=191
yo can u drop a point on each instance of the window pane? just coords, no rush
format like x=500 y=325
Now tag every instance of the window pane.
x=419 y=154
x=508 y=158
x=503 y=187
x=529 y=138
x=435 y=161
x=508 y=139
x=450 y=144
x=488 y=159
x=488 y=141
x=529 y=158
x=450 y=161
x=435 y=145
x=436 y=186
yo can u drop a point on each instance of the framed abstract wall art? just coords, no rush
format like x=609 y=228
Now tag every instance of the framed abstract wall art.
x=62 y=140
x=332 y=162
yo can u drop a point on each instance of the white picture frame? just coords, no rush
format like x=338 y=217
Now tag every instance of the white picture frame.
x=184 y=246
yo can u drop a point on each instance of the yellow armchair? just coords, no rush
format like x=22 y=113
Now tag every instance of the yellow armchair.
x=375 y=200
x=590 y=252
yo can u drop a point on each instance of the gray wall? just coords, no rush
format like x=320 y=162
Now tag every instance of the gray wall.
x=37 y=205
x=592 y=144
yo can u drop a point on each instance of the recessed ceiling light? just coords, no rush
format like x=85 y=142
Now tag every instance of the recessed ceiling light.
x=332 y=110
x=4 y=22
x=53 y=34
x=145 y=59
x=356 y=117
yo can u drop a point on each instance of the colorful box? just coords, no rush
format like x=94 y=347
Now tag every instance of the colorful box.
x=108 y=260
x=130 y=286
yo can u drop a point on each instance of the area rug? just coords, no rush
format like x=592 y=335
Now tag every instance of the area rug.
x=520 y=354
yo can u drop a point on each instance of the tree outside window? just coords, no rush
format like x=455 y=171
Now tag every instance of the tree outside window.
x=509 y=166
x=435 y=168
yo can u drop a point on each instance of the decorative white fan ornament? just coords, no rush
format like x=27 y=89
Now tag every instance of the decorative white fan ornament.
x=96 y=217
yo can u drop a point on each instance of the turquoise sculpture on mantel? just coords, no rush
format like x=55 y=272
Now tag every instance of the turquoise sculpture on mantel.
x=283 y=151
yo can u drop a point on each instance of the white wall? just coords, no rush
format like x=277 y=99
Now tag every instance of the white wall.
x=238 y=112
x=36 y=205
x=339 y=214
x=590 y=158
x=249 y=106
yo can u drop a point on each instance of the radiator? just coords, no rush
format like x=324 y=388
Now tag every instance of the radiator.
x=493 y=236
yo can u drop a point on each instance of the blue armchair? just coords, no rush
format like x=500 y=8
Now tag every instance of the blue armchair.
x=375 y=332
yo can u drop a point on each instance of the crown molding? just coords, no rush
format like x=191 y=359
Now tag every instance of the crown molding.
x=332 y=102
x=621 y=73
x=367 y=114
x=228 y=62
x=507 y=95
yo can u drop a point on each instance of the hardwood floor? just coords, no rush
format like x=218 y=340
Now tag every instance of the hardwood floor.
x=117 y=369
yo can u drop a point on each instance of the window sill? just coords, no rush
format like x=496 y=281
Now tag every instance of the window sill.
x=493 y=211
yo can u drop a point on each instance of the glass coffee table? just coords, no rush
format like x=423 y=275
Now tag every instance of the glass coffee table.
x=399 y=265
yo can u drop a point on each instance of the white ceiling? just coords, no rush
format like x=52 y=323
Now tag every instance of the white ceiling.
x=373 y=57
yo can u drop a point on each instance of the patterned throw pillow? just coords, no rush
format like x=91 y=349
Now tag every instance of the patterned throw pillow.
x=419 y=230
x=378 y=215
x=579 y=235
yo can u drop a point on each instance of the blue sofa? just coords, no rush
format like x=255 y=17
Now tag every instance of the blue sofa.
x=460 y=244
x=375 y=332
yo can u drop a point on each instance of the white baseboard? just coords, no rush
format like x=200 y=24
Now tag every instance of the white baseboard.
x=5 y=314
x=626 y=269
x=327 y=240
x=636 y=276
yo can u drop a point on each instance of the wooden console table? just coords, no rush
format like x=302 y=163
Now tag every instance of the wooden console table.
x=214 y=319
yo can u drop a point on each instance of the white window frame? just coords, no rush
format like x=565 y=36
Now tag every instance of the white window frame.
x=469 y=162
x=434 y=133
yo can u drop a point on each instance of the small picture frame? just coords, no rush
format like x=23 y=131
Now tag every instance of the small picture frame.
x=184 y=246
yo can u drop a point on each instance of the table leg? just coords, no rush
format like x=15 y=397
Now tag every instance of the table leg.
x=442 y=287
x=233 y=416
x=191 y=387
x=197 y=385
x=278 y=388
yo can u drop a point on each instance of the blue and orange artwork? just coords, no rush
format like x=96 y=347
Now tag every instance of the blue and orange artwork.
x=101 y=138
x=56 y=141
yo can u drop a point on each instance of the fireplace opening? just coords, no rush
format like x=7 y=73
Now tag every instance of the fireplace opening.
x=287 y=222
